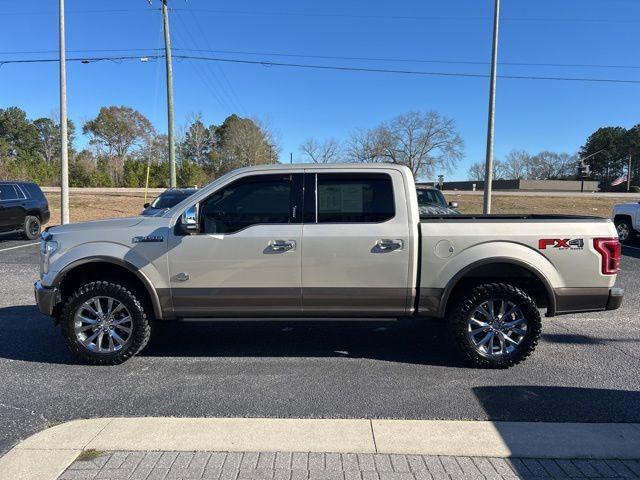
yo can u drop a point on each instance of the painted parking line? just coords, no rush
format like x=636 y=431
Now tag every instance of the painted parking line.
x=19 y=246
x=629 y=246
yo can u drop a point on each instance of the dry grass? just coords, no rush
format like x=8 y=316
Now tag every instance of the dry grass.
x=88 y=455
x=598 y=206
x=92 y=207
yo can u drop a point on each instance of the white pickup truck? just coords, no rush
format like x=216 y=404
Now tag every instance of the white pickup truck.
x=324 y=241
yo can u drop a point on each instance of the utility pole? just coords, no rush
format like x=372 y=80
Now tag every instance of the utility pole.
x=167 y=49
x=488 y=172
x=629 y=174
x=291 y=157
x=64 y=154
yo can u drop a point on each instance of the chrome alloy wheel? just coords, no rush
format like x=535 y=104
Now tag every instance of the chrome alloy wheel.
x=496 y=327
x=103 y=325
x=623 y=231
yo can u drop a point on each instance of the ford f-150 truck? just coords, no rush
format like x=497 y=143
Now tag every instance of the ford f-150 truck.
x=324 y=241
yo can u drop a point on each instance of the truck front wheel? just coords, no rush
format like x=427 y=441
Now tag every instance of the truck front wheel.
x=495 y=325
x=104 y=323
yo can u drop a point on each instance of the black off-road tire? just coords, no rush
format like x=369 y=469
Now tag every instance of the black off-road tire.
x=132 y=301
x=468 y=301
x=31 y=228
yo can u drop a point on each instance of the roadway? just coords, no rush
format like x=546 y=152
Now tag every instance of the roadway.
x=585 y=368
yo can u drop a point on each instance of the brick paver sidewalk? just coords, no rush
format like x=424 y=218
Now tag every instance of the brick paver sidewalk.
x=335 y=466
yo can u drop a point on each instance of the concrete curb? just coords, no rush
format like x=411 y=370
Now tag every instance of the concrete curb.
x=45 y=455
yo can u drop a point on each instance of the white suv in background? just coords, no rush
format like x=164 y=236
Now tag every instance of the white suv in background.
x=626 y=216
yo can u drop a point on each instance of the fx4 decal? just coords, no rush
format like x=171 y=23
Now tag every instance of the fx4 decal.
x=561 y=243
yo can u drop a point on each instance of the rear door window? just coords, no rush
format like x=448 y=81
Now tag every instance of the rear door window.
x=354 y=198
x=9 y=192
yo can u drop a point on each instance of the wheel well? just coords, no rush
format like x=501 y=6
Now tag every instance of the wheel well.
x=106 y=272
x=502 y=272
x=34 y=213
x=623 y=216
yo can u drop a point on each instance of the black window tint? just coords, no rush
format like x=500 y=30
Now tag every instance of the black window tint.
x=169 y=200
x=427 y=196
x=355 y=198
x=8 y=192
x=34 y=190
x=254 y=200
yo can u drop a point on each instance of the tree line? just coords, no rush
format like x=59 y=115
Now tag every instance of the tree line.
x=428 y=143
x=522 y=165
x=123 y=143
x=608 y=152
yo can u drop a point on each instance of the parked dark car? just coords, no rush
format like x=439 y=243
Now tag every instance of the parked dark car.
x=166 y=200
x=431 y=201
x=23 y=208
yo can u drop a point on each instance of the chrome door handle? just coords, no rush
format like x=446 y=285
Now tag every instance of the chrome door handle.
x=386 y=244
x=282 y=245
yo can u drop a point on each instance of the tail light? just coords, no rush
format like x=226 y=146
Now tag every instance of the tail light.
x=610 y=252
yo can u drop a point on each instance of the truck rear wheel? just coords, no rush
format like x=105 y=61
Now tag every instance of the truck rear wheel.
x=495 y=325
x=104 y=323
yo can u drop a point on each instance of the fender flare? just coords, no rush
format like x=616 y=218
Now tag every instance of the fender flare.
x=151 y=291
x=551 y=309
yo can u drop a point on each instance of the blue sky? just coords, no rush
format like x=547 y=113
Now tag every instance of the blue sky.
x=299 y=103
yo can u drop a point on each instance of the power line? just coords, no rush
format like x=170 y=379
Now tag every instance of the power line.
x=410 y=60
x=84 y=50
x=331 y=15
x=268 y=63
x=406 y=17
x=338 y=57
x=405 y=72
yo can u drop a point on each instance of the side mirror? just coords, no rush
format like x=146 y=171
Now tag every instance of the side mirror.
x=189 y=220
x=146 y=205
x=453 y=204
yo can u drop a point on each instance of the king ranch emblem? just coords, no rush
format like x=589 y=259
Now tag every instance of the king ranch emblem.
x=561 y=243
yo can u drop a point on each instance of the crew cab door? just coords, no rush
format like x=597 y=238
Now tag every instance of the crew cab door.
x=356 y=250
x=245 y=258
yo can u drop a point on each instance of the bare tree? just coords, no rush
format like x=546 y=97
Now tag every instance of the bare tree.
x=329 y=151
x=476 y=170
x=364 y=147
x=551 y=165
x=424 y=142
x=516 y=165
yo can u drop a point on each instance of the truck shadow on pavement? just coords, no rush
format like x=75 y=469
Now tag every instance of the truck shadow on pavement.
x=27 y=335
x=527 y=403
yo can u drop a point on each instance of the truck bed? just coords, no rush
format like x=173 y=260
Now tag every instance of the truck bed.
x=530 y=216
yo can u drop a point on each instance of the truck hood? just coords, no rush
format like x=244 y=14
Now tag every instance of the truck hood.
x=110 y=224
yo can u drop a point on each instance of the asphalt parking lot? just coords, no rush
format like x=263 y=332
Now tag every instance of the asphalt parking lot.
x=584 y=370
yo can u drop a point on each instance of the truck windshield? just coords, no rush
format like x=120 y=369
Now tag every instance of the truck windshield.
x=430 y=197
x=168 y=200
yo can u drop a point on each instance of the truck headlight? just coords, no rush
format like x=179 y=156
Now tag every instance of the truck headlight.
x=47 y=248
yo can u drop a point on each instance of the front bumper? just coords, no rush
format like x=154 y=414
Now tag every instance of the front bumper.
x=575 y=300
x=46 y=298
